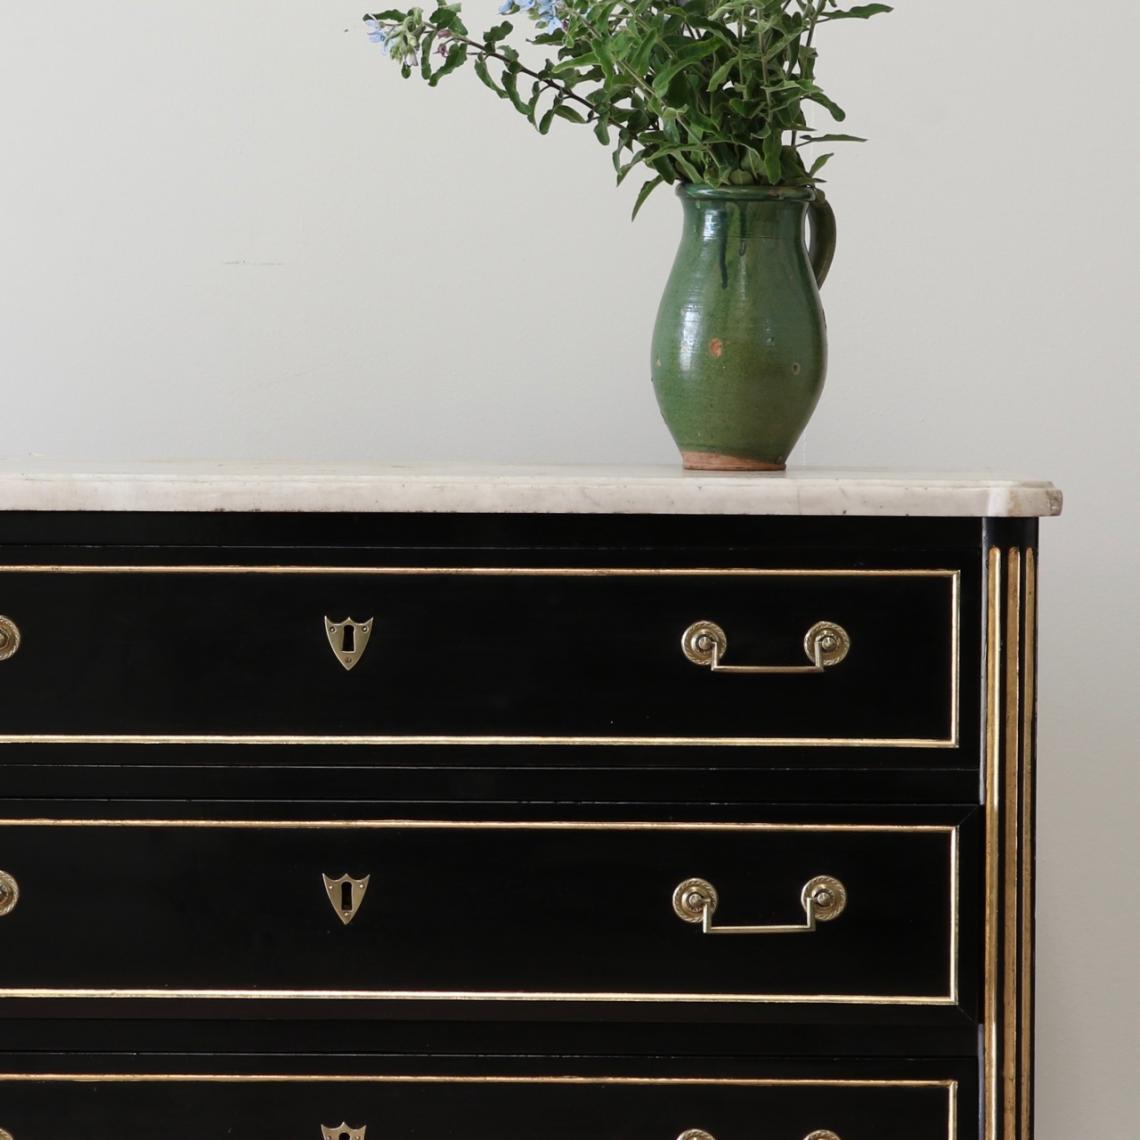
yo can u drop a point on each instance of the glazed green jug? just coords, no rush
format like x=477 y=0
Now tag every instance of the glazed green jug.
x=740 y=344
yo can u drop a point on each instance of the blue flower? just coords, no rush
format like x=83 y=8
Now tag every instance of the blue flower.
x=548 y=14
x=377 y=33
x=544 y=12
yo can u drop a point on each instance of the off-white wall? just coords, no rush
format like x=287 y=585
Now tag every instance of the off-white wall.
x=229 y=229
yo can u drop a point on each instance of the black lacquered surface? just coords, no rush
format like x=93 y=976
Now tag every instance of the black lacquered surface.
x=521 y=653
x=570 y=910
x=140 y=919
x=480 y=1108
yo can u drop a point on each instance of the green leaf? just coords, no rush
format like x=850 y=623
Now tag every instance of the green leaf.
x=447 y=18
x=754 y=160
x=859 y=12
x=773 y=151
x=624 y=169
x=577 y=63
x=639 y=61
x=830 y=138
x=819 y=164
x=425 y=55
x=686 y=168
x=546 y=120
x=485 y=75
x=718 y=78
x=688 y=56
x=498 y=32
x=511 y=87
x=456 y=56
x=644 y=193
x=602 y=131
x=817 y=96
x=569 y=114
x=392 y=15
x=780 y=45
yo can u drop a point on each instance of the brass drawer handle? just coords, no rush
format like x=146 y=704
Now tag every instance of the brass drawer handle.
x=701 y=1134
x=340 y=1131
x=824 y=898
x=5 y=1135
x=9 y=643
x=825 y=644
x=9 y=896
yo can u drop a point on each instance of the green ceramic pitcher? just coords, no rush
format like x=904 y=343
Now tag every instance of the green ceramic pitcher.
x=740 y=344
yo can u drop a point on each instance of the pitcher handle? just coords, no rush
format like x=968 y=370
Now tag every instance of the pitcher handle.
x=821 y=248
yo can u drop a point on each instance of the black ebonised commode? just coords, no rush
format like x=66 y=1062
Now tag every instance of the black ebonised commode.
x=413 y=824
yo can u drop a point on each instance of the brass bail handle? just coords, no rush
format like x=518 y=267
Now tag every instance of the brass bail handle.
x=9 y=643
x=825 y=645
x=823 y=898
x=701 y=1134
x=9 y=896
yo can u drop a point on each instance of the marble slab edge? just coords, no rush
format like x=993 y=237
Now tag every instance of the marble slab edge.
x=289 y=489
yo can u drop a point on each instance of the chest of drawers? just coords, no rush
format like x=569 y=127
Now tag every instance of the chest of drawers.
x=337 y=804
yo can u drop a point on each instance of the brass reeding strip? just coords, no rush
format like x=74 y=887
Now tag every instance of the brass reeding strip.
x=993 y=837
x=1029 y=709
x=1011 y=862
x=427 y=740
x=949 y=999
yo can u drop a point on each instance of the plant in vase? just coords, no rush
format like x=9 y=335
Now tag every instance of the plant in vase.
x=712 y=97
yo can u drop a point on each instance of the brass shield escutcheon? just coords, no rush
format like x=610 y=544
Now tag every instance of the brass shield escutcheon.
x=346 y=894
x=348 y=639
x=343 y=1132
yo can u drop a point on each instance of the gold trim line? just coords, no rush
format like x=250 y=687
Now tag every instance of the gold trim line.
x=1010 y=849
x=950 y=1087
x=605 y=998
x=496 y=741
x=421 y=740
x=479 y=571
x=1027 y=847
x=440 y=1079
x=951 y=833
x=483 y=825
x=993 y=837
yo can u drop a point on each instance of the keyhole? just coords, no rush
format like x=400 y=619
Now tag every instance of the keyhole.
x=346 y=897
x=349 y=639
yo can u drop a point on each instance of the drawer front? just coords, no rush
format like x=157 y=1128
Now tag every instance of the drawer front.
x=522 y=912
x=408 y=1108
x=434 y=656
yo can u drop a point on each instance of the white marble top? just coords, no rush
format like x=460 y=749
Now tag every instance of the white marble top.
x=40 y=485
